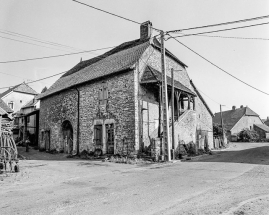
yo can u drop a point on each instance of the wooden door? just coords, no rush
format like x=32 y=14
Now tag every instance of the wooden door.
x=110 y=138
x=98 y=135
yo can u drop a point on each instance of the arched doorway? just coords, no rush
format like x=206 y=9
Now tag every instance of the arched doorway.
x=67 y=131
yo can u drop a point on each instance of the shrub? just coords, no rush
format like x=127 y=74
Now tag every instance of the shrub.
x=247 y=135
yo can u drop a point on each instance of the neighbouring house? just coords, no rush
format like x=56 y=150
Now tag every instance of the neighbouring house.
x=262 y=130
x=27 y=121
x=266 y=122
x=237 y=119
x=113 y=102
x=17 y=96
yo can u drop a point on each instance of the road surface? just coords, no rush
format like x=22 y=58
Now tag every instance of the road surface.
x=233 y=181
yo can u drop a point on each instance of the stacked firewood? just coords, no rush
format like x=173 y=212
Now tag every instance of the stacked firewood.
x=6 y=126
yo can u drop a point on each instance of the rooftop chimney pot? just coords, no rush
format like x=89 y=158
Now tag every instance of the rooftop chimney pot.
x=241 y=106
x=234 y=107
x=145 y=30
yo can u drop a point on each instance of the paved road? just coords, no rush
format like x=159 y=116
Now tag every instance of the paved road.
x=234 y=181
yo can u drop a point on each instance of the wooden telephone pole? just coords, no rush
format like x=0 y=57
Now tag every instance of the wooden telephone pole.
x=166 y=136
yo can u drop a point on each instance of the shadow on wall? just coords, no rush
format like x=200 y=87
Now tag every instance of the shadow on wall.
x=258 y=155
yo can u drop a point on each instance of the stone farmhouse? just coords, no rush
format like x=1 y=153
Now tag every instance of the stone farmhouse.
x=237 y=119
x=112 y=102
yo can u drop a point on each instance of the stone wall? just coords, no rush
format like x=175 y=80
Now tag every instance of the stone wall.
x=191 y=127
x=120 y=110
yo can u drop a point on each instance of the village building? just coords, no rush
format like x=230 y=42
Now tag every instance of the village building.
x=112 y=102
x=237 y=119
x=262 y=130
x=266 y=121
x=27 y=121
x=17 y=96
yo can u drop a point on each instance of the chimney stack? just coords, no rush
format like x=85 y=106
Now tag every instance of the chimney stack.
x=145 y=30
x=241 y=106
x=234 y=107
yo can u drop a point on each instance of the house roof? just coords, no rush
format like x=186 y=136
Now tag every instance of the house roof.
x=5 y=107
x=121 y=58
x=231 y=117
x=263 y=127
x=151 y=75
x=2 y=112
x=22 y=88
x=202 y=99
x=31 y=103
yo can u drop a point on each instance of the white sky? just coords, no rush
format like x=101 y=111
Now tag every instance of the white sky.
x=81 y=27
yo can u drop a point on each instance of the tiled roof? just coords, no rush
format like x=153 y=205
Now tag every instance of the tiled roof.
x=202 y=99
x=31 y=103
x=231 y=117
x=153 y=75
x=123 y=57
x=23 y=88
x=263 y=127
x=5 y=107
x=2 y=112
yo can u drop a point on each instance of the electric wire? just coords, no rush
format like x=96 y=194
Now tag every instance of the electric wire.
x=54 y=56
x=227 y=29
x=31 y=43
x=64 y=71
x=219 y=67
x=239 y=38
x=30 y=82
x=37 y=39
x=113 y=14
x=219 y=24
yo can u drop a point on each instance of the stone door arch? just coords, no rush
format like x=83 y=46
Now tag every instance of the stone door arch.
x=67 y=131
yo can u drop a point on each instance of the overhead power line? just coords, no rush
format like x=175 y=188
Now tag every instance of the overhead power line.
x=113 y=14
x=30 y=43
x=227 y=29
x=66 y=71
x=239 y=38
x=220 y=24
x=219 y=67
x=35 y=80
x=36 y=39
x=54 y=56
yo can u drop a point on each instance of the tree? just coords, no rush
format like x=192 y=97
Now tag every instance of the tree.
x=217 y=129
x=44 y=90
x=247 y=135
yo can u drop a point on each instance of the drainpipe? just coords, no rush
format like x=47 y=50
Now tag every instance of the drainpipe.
x=78 y=121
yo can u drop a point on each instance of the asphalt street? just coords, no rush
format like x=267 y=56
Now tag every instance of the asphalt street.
x=231 y=181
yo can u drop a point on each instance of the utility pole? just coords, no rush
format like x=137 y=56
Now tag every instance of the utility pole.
x=173 y=111
x=166 y=136
x=222 y=122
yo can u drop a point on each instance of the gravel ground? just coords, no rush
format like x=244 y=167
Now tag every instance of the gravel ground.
x=233 y=181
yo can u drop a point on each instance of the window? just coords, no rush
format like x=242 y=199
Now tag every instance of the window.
x=250 y=127
x=11 y=105
x=103 y=94
x=28 y=119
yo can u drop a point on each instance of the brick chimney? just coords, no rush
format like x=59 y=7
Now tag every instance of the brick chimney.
x=241 y=106
x=234 y=107
x=145 y=30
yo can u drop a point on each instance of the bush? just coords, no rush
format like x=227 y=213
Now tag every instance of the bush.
x=247 y=135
